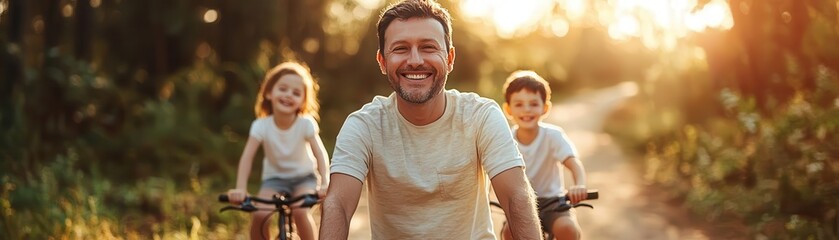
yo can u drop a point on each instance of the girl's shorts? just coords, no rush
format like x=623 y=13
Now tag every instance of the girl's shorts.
x=282 y=185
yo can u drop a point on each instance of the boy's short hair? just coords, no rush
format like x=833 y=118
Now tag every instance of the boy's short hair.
x=528 y=80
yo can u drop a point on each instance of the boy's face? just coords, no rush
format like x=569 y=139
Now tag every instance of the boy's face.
x=526 y=108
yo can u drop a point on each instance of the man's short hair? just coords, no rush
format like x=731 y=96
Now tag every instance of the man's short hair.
x=408 y=9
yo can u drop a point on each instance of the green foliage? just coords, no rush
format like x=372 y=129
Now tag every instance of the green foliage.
x=775 y=173
x=56 y=199
x=750 y=138
x=113 y=163
x=60 y=201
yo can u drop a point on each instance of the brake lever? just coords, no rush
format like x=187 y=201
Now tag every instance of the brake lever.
x=565 y=207
x=228 y=208
x=245 y=207
x=309 y=201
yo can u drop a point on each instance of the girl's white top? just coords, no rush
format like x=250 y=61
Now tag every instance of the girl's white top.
x=287 y=152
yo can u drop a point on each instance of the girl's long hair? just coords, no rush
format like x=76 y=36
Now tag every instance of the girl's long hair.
x=310 y=104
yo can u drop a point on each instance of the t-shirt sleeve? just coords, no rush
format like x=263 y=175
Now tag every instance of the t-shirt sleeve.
x=312 y=128
x=563 y=147
x=352 y=149
x=496 y=147
x=257 y=131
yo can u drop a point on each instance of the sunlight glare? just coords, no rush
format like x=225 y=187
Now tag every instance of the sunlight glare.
x=663 y=22
x=657 y=23
x=662 y=12
x=515 y=15
x=475 y=8
x=625 y=27
x=715 y=14
x=650 y=41
x=360 y=12
x=369 y=4
x=694 y=23
x=508 y=17
x=718 y=15
x=560 y=27
x=628 y=88
x=575 y=9
x=210 y=16
x=67 y=11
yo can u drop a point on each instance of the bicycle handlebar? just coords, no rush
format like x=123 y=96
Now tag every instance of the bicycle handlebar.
x=591 y=194
x=308 y=200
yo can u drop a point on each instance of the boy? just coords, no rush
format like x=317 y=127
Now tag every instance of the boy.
x=542 y=145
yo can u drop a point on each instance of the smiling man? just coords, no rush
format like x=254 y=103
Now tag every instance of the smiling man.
x=427 y=154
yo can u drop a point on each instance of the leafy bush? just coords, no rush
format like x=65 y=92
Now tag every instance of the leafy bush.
x=62 y=202
x=775 y=173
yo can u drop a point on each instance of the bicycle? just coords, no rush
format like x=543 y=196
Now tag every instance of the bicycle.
x=565 y=206
x=283 y=204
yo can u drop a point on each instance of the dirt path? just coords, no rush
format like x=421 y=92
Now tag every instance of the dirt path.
x=623 y=211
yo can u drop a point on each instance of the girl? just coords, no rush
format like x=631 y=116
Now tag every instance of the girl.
x=286 y=127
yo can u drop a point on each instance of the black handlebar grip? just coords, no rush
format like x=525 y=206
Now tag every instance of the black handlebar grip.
x=223 y=198
x=592 y=194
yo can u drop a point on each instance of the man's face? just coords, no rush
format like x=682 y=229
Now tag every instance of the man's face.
x=415 y=58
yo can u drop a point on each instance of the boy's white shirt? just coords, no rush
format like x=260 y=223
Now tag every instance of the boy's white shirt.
x=288 y=153
x=544 y=158
x=431 y=181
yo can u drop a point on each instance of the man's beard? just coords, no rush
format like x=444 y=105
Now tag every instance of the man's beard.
x=417 y=97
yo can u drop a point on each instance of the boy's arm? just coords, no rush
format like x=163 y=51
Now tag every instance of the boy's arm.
x=339 y=206
x=517 y=199
x=319 y=151
x=577 y=192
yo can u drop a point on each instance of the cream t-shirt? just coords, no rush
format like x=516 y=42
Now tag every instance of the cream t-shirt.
x=287 y=152
x=431 y=181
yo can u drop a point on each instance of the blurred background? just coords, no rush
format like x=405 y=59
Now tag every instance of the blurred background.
x=124 y=119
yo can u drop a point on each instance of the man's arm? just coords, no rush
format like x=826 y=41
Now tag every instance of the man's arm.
x=339 y=206
x=517 y=199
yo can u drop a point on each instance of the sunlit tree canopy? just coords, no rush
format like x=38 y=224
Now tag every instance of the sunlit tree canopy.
x=658 y=23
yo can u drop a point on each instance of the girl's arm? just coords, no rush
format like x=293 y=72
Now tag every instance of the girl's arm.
x=323 y=167
x=577 y=192
x=237 y=195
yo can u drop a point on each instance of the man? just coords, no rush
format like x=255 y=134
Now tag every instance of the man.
x=426 y=153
